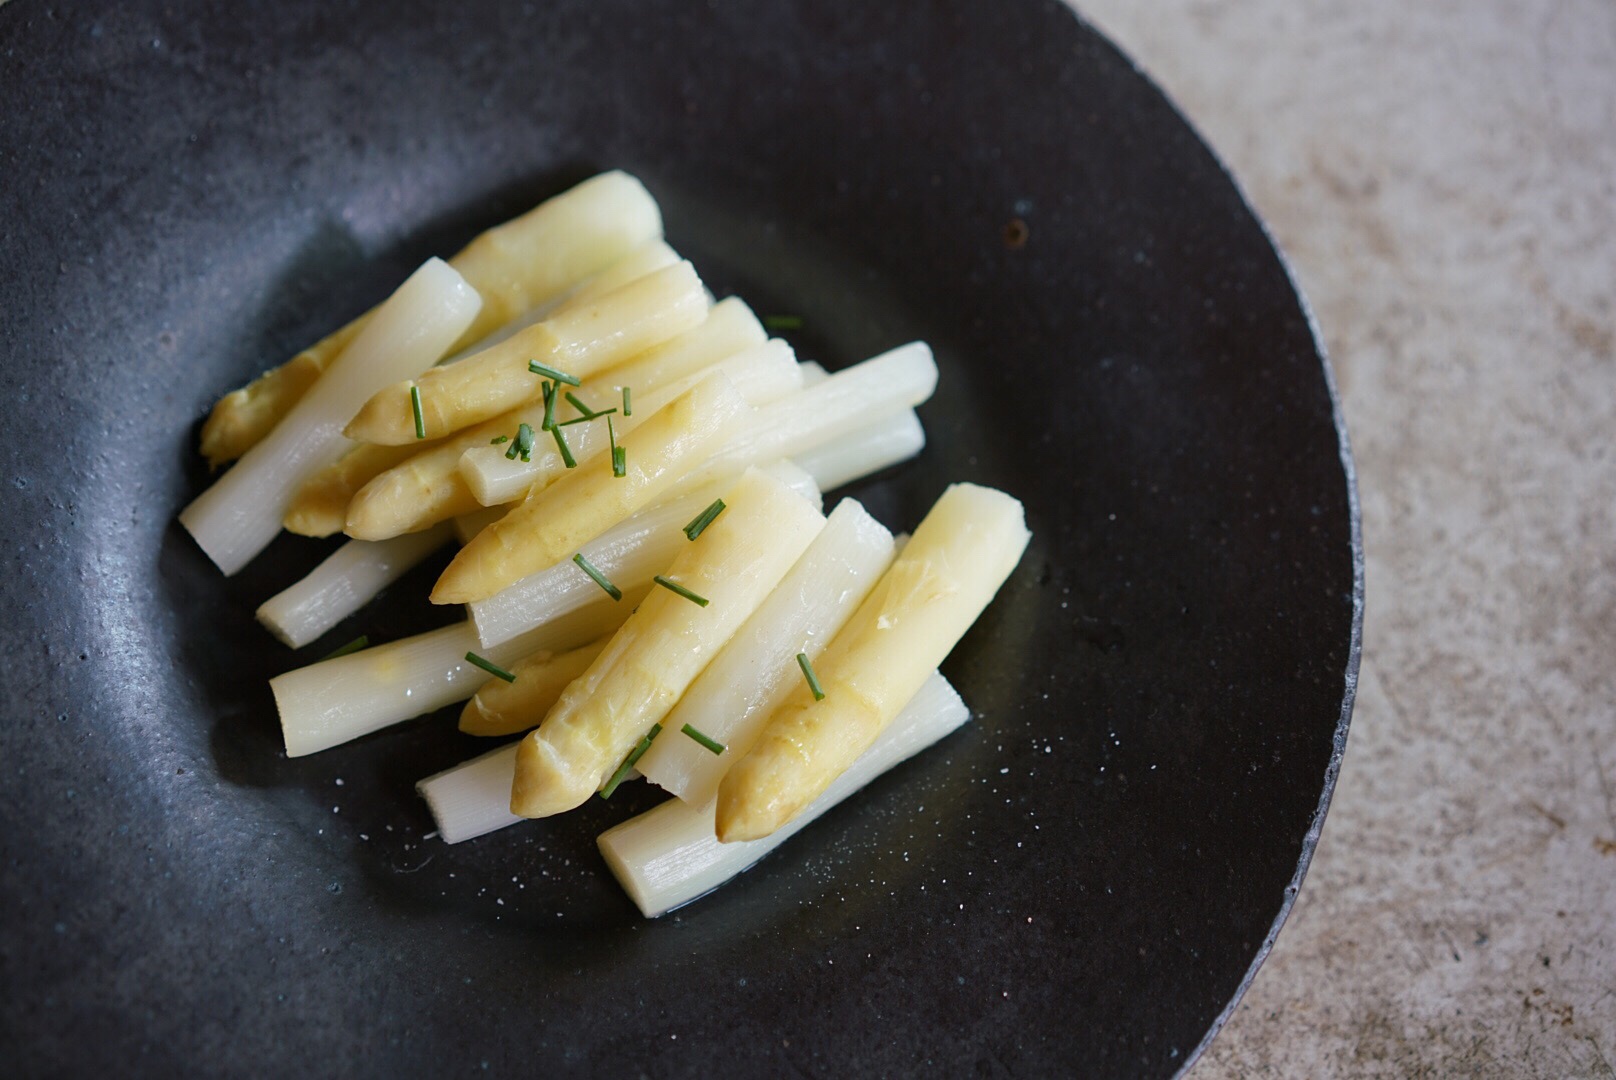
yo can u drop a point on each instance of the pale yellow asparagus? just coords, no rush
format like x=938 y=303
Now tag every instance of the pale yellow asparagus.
x=732 y=565
x=552 y=524
x=945 y=576
x=320 y=507
x=579 y=339
x=763 y=374
x=427 y=487
x=514 y=266
x=510 y=708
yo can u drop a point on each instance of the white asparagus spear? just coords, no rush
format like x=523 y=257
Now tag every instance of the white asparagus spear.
x=510 y=708
x=629 y=555
x=746 y=682
x=513 y=266
x=645 y=259
x=761 y=374
x=845 y=402
x=727 y=571
x=553 y=523
x=334 y=701
x=669 y=855
x=344 y=582
x=947 y=574
x=240 y=514
x=578 y=339
x=868 y=450
x=473 y=797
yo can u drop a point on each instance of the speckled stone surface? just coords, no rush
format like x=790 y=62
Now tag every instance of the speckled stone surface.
x=1443 y=178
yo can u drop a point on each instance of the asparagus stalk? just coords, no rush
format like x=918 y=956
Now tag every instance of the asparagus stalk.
x=241 y=513
x=761 y=374
x=345 y=582
x=713 y=586
x=514 y=266
x=751 y=677
x=334 y=701
x=579 y=340
x=555 y=522
x=946 y=575
x=669 y=855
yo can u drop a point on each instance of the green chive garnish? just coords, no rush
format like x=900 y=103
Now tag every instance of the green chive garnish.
x=699 y=524
x=782 y=322
x=489 y=666
x=415 y=407
x=549 y=405
x=808 y=673
x=497 y=439
x=674 y=586
x=619 y=453
x=627 y=409
x=629 y=762
x=707 y=743
x=599 y=578
x=551 y=373
x=566 y=451
x=578 y=403
x=360 y=642
x=523 y=444
x=585 y=419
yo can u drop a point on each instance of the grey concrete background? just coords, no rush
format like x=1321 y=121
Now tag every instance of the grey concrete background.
x=1442 y=175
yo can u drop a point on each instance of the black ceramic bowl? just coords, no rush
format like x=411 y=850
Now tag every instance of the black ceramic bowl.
x=1081 y=880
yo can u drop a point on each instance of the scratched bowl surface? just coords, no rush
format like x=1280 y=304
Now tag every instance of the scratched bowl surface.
x=1080 y=880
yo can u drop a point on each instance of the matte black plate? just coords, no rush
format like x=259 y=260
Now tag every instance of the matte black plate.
x=1081 y=880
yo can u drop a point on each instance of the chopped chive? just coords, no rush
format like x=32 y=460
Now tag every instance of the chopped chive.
x=585 y=419
x=360 y=642
x=674 y=586
x=708 y=743
x=627 y=409
x=551 y=373
x=629 y=762
x=415 y=407
x=549 y=405
x=566 y=451
x=699 y=523
x=497 y=439
x=599 y=578
x=619 y=453
x=578 y=403
x=808 y=673
x=523 y=444
x=489 y=666
x=782 y=322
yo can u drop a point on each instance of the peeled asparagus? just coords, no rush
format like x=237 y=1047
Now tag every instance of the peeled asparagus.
x=320 y=507
x=843 y=403
x=474 y=797
x=578 y=339
x=347 y=580
x=510 y=708
x=757 y=669
x=555 y=522
x=669 y=855
x=629 y=554
x=514 y=266
x=950 y=570
x=761 y=374
x=868 y=450
x=663 y=646
x=240 y=514
x=334 y=701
